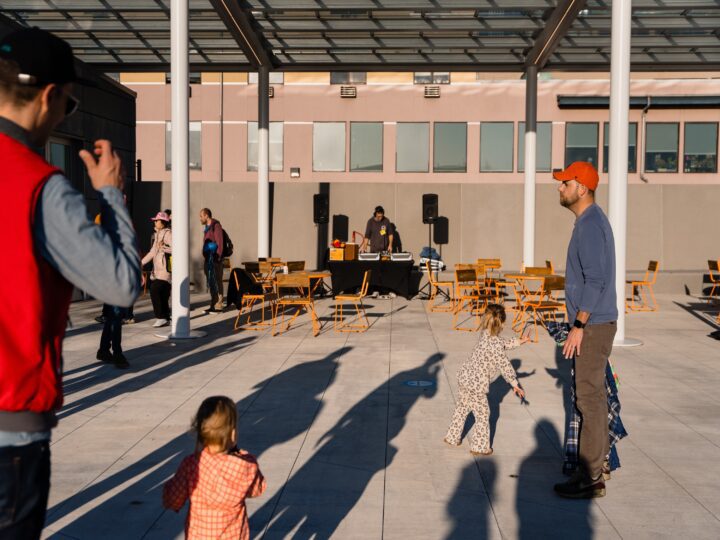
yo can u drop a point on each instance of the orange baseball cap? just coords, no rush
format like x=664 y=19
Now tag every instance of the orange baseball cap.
x=582 y=172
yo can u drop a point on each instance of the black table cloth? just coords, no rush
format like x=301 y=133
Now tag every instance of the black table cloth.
x=392 y=275
x=247 y=286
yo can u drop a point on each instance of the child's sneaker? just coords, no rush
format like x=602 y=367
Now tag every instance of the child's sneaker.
x=486 y=453
x=449 y=443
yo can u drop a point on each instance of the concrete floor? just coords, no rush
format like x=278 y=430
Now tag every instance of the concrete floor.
x=351 y=451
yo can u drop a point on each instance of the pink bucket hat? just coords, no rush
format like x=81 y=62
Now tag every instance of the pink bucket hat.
x=160 y=216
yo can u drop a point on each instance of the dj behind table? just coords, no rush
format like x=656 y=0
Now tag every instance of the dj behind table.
x=393 y=273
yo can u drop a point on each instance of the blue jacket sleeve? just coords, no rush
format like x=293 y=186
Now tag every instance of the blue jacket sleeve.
x=101 y=260
x=593 y=262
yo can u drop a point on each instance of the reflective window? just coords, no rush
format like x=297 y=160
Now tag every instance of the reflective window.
x=581 y=142
x=632 y=146
x=661 y=147
x=276 y=146
x=412 y=147
x=432 y=77
x=496 y=146
x=348 y=77
x=366 y=146
x=275 y=77
x=543 y=147
x=700 y=147
x=195 y=145
x=450 y=147
x=329 y=146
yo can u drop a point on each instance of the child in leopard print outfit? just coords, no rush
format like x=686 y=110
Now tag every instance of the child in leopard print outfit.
x=487 y=361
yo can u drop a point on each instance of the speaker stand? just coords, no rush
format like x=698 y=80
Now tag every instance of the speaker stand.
x=426 y=288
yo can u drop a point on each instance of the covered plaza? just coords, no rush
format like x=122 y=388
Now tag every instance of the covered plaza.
x=348 y=429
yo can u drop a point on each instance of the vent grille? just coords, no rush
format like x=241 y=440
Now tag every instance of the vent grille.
x=271 y=91
x=348 y=92
x=432 y=91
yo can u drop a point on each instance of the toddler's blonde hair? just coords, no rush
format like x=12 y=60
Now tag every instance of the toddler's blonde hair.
x=215 y=421
x=493 y=319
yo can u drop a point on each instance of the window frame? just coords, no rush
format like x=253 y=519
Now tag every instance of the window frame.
x=429 y=147
x=432 y=77
x=345 y=148
x=606 y=162
x=597 y=143
x=382 y=147
x=348 y=73
x=434 y=148
x=521 y=137
x=247 y=147
x=168 y=166
x=512 y=151
x=685 y=124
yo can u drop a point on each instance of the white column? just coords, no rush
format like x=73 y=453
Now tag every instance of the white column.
x=179 y=67
x=617 y=189
x=263 y=162
x=530 y=165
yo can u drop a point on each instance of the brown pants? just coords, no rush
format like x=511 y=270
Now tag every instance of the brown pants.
x=592 y=403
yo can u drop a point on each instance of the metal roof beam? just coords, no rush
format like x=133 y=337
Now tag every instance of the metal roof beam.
x=555 y=29
x=239 y=24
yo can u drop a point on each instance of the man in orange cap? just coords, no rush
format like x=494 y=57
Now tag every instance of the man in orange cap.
x=592 y=310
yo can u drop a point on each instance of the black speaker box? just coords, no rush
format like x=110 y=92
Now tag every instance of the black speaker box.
x=441 y=230
x=340 y=226
x=321 y=208
x=429 y=207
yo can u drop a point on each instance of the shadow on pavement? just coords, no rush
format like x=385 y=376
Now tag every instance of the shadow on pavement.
x=321 y=493
x=470 y=508
x=498 y=390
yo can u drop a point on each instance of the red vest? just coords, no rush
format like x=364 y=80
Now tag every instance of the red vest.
x=34 y=297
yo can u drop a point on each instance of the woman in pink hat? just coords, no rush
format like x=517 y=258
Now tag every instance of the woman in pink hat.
x=160 y=255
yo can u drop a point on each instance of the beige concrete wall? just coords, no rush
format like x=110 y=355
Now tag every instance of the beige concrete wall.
x=673 y=224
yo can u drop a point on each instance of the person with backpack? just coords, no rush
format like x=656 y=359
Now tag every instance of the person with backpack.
x=216 y=246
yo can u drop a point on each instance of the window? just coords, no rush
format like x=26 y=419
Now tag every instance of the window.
x=348 y=77
x=432 y=77
x=543 y=147
x=276 y=146
x=700 y=147
x=275 y=77
x=413 y=147
x=661 y=147
x=632 y=146
x=195 y=143
x=194 y=77
x=329 y=146
x=581 y=142
x=496 y=146
x=366 y=146
x=450 y=147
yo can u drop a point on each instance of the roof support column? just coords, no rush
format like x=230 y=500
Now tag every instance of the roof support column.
x=531 y=73
x=263 y=161
x=618 y=182
x=179 y=67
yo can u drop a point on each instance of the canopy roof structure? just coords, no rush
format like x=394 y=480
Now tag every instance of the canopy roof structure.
x=380 y=35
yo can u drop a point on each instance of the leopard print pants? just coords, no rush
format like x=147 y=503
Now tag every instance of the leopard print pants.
x=477 y=404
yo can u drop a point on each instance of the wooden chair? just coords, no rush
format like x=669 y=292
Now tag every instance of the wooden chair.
x=249 y=301
x=470 y=295
x=296 y=266
x=438 y=287
x=296 y=281
x=357 y=301
x=535 y=301
x=636 y=289
x=538 y=270
x=549 y=265
x=714 y=270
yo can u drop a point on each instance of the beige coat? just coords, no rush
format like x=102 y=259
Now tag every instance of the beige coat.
x=162 y=246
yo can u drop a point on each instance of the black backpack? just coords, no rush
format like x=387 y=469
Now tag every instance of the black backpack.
x=227 y=249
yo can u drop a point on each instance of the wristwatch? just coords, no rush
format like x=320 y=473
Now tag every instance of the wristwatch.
x=578 y=324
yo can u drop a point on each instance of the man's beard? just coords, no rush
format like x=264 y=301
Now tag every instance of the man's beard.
x=567 y=203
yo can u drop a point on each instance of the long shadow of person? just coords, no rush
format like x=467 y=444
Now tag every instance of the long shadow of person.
x=563 y=380
x=471 y=505
x=279 y=408
x=542 y=514
x=498 y=390
x=325 y=489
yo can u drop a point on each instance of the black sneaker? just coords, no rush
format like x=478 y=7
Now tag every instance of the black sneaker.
x=100 y=319
x=120 y=361
x=129 y=320
x=581 y=487
x=104 y=356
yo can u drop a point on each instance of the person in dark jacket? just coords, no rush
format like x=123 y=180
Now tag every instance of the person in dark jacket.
x=213 y=259
x=54 y=246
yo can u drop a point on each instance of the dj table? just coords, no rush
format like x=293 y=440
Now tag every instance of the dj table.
x=392 y=275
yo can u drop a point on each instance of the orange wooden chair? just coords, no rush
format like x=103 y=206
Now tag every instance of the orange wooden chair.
x=265 y=299
x=536 y=303
x=637 y=287
x=470 y=295
x=295 y=282
x=438 y=287
x=549 y=265
x=714 y=270
x=361 y=322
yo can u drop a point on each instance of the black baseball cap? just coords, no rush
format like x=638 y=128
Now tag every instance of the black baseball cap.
x=42 y=57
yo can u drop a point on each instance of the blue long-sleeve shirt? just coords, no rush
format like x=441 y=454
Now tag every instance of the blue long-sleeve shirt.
x=590 y=269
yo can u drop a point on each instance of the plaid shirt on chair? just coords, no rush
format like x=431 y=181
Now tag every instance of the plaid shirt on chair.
x=616 y=429
x=217 y=486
